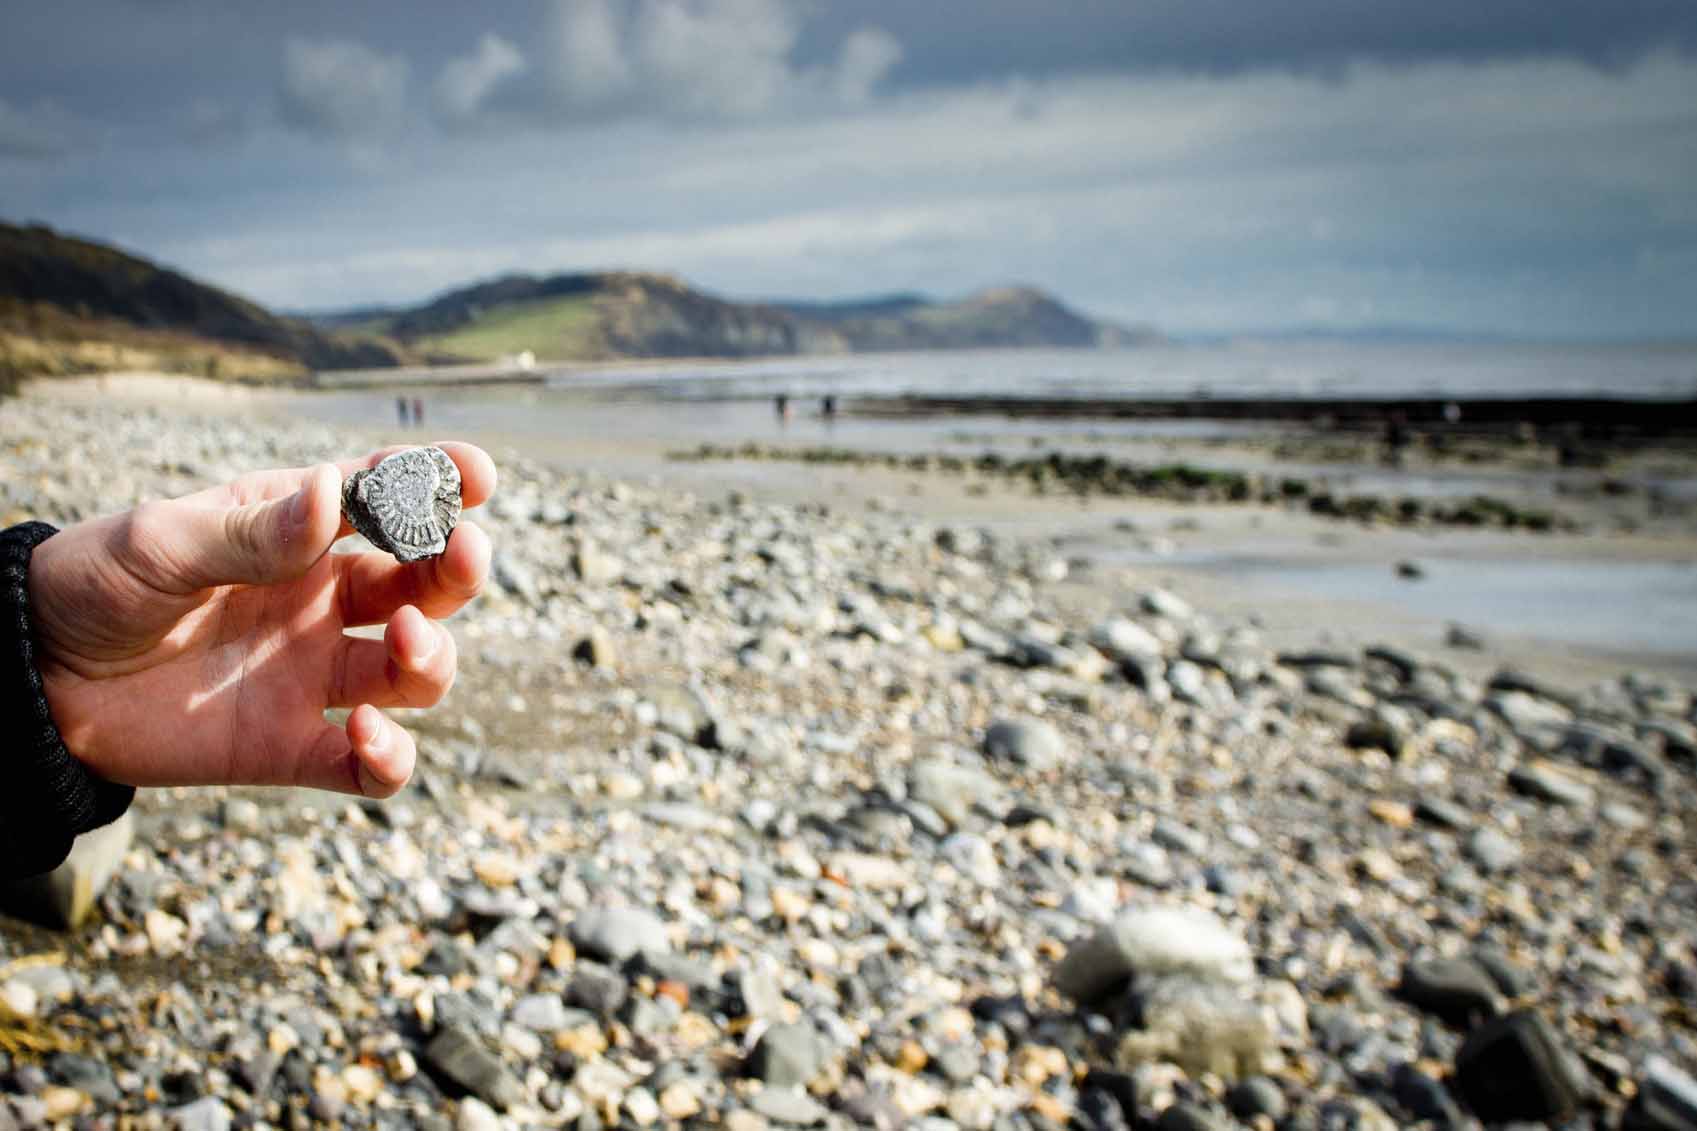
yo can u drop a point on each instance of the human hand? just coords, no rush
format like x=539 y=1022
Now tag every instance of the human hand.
x=198 y=641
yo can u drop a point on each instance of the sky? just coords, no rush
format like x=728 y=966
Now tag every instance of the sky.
x=1520 y=167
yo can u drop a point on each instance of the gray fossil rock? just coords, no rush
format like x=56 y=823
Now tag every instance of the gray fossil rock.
x=407 y=505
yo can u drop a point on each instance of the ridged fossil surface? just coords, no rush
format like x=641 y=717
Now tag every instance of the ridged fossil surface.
x=407 y=504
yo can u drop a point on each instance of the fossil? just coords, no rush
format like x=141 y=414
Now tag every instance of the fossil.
x=407 y=504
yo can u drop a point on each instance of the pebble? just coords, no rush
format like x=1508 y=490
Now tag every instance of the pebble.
x=1454 y=990
x=1205 y=1027
x=599 y=989
x=1548 y=782
x=868 y=871
x=1257 y=1095
x=776 y=874
x=787 y=1055
x=19 y=999
x=543 y=1013
x=1493 y=851
x=952 y=790
x=791 y=1107
x=475 y=1115
x=641 y=1107
x=1031 y=743
x=618 y=933
x=1186 y=1116
x=1517 y=1068
x=1161 y=603
x=679 y=1102
x=1666 y=1099
x=1444 y=814
x=1154 y=941
x=459 y=1055
x=241 y=815
x=208 y=1113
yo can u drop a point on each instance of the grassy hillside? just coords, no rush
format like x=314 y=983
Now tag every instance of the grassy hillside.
x=548 y=327
x=631 y=314
x=73 y=305
x=590 y=315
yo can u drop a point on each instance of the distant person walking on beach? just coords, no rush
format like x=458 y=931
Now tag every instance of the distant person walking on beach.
x=199 y=641
x=781 y=404
x=828 y=408
x=401 y=410
x=418 y=412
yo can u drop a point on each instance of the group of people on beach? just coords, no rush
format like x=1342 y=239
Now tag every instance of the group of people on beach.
x=827 y=407
x=416 y=409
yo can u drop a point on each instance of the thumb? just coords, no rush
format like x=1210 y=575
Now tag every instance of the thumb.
x=258 y=544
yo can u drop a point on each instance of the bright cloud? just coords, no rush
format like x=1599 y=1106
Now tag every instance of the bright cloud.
x=467 y=82
x=341 y=88
x=699 y=59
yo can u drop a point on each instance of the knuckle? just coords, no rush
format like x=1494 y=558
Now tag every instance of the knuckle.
x=242 y=535
x=143 y=545
x=145 y=529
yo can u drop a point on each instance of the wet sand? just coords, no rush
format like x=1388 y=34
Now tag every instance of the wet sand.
x=1580 y=607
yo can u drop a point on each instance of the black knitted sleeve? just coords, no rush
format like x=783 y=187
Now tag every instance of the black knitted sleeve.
x=50 y=797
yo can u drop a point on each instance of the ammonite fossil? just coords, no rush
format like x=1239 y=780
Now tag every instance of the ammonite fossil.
x=407 y=504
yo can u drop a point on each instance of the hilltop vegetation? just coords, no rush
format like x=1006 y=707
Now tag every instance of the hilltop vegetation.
x=69 y=305
x=632 y=314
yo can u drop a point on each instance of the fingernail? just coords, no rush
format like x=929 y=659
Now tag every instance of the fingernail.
x=432 y=641
x=300 y=506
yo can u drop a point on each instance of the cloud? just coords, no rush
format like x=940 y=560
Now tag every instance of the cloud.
x=342 y=89
x=717 y=56
x=586 y=58
x=694 y=59
x=211 y=123
x=43 y=131
x=466 y=82
x=1524 y=197
x=867 y=57
x=1541 y=195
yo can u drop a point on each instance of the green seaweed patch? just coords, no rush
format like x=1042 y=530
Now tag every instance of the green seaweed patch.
x=1096 y=475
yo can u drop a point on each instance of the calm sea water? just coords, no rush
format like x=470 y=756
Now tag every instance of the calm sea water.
x=1277 y=369
x=620 y=421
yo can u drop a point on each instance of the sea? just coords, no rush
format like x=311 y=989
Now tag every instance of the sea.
x=1259 y=369
x=623 y=419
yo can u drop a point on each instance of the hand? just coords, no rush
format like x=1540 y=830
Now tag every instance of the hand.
x=198 y=641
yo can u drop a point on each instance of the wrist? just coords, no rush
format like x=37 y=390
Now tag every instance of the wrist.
x=51 y=795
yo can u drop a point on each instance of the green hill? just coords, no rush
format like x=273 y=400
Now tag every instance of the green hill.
x=633 y=314
x=69 y=304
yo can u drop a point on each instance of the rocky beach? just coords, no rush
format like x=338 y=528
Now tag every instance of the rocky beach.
x=758 y=814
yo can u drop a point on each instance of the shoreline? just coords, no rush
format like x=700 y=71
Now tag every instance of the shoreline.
x=1166 y=536
x=1589 y=417
x=812 y=801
